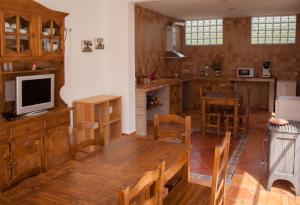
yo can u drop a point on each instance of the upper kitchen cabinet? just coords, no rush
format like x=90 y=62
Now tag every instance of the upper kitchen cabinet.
x=51 y=36
x=30 y=30
x=18 y=35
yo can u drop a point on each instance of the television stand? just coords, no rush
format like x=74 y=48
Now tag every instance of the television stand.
x=39 y=112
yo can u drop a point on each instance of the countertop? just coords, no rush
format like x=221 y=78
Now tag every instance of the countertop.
x=161 y=83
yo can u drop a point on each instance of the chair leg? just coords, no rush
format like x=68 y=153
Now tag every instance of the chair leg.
x=219 y=124
x=226 y=123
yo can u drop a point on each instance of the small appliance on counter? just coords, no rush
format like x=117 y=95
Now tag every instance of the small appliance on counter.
x=245 y=72
x=266 y=69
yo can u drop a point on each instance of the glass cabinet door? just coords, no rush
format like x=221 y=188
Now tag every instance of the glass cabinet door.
x=17 y=34
x=24 y=30
x=51 y=36
x=10 y=36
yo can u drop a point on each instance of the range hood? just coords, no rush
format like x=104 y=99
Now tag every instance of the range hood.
x=173 y=41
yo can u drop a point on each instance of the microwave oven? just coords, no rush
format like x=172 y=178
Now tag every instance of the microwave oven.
x=245 y=72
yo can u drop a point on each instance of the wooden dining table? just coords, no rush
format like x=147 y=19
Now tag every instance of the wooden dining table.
x=97 y=178
x=222 y=99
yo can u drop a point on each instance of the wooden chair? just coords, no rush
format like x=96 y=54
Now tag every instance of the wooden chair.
x=189 y=193
x=213 y=117
x=213 y=120
x=83 y=145
x=244 y=115
x=204 y=89
x=141 y=193
x=172 y=135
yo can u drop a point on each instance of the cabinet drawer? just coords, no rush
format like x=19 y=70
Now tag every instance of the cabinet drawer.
x=26 y=129
x=58 y=120
x=3 y=135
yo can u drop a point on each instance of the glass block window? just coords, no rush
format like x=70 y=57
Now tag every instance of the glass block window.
x=204 y=32
x=273 y=30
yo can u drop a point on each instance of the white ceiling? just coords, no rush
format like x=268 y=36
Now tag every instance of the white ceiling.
x=193 y=9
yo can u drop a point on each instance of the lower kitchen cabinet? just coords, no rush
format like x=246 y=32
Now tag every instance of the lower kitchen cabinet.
x=30 y=147
x=27 y=156
x=176 y=98
x=57 y=146
x=5 y=172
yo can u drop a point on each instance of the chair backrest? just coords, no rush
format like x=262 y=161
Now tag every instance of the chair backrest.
x=172 y=135
x=222 y=88
x=147 y=191
x=76 y=148
x=220 y=171
x=204 y=89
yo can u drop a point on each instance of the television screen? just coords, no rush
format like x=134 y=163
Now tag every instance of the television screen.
x=34 y=94
x=36 y=91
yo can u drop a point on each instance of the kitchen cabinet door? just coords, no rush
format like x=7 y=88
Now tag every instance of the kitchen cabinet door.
x=27 y=158
x=5 y=172
x=57 y=146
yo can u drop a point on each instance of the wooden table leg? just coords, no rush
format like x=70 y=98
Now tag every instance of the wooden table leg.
x=235 y=120
x=203 y=116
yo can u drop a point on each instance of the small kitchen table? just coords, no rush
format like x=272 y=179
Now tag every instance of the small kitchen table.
x=223 y=99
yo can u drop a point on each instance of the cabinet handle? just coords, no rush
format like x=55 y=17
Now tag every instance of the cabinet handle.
x=27 y=129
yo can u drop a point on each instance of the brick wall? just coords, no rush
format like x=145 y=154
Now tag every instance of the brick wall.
x=237 y=51
x=150 y=40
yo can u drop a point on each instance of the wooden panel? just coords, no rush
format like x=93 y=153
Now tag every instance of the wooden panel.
x=27 y=158
x=4 y=166
x=57 y=146
x=26 y=129
x=58 y=120
x=3 y=135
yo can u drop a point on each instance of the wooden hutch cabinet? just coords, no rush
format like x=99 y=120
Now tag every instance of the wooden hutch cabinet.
x=31 y=34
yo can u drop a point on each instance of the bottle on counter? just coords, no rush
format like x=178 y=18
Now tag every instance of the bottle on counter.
x=206 y=71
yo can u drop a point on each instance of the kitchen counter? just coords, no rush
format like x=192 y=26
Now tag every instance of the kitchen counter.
x=264 y=87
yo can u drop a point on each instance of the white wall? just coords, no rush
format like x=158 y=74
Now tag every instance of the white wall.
x=85 y=73
x=108 y=71
x=121 y=57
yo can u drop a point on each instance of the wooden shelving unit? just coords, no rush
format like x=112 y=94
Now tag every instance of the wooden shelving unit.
x=103 y=109
x=24 y=72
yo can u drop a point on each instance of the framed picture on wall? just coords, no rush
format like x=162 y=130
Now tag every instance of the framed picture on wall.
x=87 y=46
x=99 y=43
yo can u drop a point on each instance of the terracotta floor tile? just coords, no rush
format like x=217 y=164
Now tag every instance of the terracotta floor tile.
x=240 y=193
x=249 y=182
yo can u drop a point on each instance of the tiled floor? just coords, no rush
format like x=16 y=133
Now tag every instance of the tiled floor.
x=248 y=184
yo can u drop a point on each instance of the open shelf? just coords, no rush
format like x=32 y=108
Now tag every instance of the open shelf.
x=103 y=109
x=20 y=72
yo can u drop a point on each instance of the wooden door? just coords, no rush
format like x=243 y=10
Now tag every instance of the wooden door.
x=57 y=146
x=5 y=171
x=27 y=158
x=18 y=35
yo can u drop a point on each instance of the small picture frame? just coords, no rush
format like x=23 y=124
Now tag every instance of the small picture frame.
x=87 y=46
x=99 y=43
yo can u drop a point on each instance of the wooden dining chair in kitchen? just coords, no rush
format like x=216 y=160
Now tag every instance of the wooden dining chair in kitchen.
x=172 y=134
x=83 y=145
x=189 y=193
x=204 y=89
x=244 y=114
x=147 y=191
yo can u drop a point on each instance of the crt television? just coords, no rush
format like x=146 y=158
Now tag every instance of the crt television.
x=34 y=93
